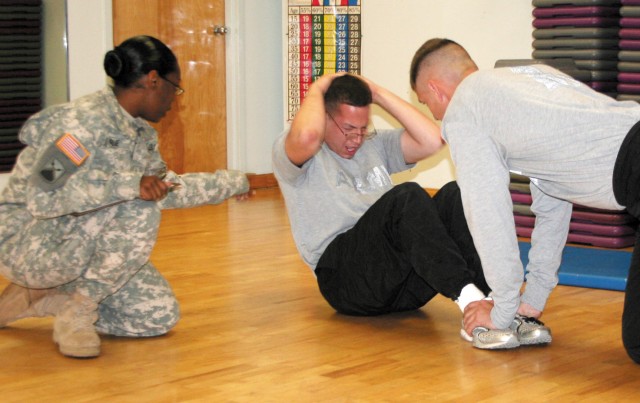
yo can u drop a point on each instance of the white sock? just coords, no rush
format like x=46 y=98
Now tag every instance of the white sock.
x=469 y=294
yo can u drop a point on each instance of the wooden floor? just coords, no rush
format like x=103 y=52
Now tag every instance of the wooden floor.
x=255 y=328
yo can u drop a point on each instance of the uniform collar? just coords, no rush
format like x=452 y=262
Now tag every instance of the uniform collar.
x=123 y=119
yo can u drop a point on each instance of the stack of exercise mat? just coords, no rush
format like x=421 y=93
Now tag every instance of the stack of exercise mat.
x=629 y=55
x=585 y=32
x=596 y=227
x=606 y=266
x=585 y=39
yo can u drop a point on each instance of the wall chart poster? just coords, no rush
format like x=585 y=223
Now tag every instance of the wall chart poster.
x=324 y=36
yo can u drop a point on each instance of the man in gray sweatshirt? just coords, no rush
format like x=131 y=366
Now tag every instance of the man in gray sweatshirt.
x=538 y=122
x=375 y=248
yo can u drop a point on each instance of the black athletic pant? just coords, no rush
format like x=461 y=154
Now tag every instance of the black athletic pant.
x=631 y=313
x=626 y=187
x=403 y=251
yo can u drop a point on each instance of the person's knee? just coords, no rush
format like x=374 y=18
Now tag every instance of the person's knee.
x=634 y=354
x=450 y=191
x=164 y=323
x=631 y=342
x=410 y=191
x=631 y=311
x=631 y=338
x=408 y=187
x=450 y=187
x=135 y=322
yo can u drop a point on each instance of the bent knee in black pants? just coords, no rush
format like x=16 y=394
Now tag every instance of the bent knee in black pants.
x=631 y=313
x=396 y=257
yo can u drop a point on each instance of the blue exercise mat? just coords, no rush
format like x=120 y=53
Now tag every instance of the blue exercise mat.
x=588 y=267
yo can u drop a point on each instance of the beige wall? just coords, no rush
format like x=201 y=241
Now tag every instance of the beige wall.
x=489 y=29
x=392 y=30
x=89 y=37
x=54 y=53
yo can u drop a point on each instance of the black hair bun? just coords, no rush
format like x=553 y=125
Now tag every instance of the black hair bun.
x=115 y=63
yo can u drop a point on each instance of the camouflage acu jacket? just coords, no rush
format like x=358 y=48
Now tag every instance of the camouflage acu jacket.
x=90 y=153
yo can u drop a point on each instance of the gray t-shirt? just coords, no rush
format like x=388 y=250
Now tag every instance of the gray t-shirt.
x=328 y=194
x=538 y=122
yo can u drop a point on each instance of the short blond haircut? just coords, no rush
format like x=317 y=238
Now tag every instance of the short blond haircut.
x=445 y=55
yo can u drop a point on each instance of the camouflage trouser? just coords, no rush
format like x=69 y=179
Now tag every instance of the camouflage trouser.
x=103 y=255
x=144 y=306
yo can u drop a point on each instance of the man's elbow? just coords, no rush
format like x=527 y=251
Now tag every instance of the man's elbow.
x=303 y=145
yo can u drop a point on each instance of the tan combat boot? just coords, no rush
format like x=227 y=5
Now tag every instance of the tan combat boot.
x=74 y=330
x=17 y=302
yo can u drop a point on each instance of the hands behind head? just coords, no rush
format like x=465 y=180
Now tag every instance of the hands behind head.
x=323 y=82
x=373 y=87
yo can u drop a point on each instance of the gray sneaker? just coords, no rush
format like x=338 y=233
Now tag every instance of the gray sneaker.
x=487 y=339
x=530 y=331
x=494 y=339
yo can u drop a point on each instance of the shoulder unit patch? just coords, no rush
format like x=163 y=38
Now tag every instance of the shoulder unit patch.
x=59 y=161
x=71 y=147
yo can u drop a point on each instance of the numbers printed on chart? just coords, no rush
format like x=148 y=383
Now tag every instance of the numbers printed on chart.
x=323 y=37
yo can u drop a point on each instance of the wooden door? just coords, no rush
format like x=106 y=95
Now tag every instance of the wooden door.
x=193 y=135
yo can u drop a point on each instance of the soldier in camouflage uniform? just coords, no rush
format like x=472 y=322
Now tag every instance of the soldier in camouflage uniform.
x=80 y=214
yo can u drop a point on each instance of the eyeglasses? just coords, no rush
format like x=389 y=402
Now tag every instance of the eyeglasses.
x=370 y=131
x=179 y=90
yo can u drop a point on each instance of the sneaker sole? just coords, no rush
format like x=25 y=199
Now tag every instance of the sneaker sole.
x=502 y=340
x=531 y=331
x=465 y=336
x=503 y=345
x=543 y=338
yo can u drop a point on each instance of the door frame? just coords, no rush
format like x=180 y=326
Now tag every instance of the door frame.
x=255 y=90
x=235 y=88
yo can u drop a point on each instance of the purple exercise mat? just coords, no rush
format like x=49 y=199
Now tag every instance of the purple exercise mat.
x=576 y=22
x=629 y=88
x=630 y=22
x=630 y=44
x=629 y=33
x=602 y=218
x=594 y=240
x=602 y=85
x=633 y=78
x=554 y=3
x=582 y=227
x=589 y=216
x=597 y=11
x=521 y=198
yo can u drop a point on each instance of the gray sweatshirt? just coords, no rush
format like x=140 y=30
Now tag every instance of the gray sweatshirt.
x=538 y=122
x=328 y=194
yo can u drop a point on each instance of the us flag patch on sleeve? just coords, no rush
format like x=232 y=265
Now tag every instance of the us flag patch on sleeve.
x=71 y=147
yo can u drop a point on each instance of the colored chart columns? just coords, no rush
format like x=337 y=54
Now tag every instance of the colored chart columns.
x=323 y=37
